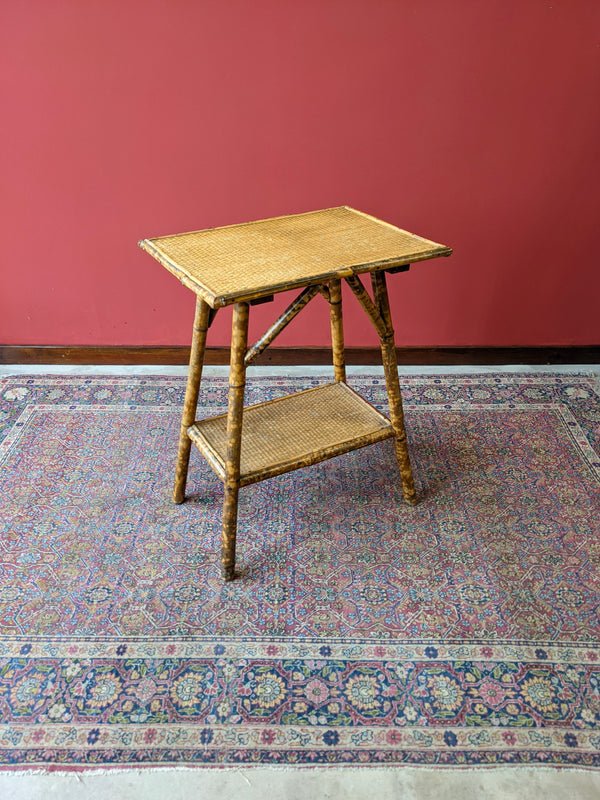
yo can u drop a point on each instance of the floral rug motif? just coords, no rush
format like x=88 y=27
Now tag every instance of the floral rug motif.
x=464 y=631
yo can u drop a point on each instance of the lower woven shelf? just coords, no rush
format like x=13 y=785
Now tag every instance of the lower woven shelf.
x=293 y=431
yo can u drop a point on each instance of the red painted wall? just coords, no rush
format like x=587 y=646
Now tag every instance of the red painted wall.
x=476 y=124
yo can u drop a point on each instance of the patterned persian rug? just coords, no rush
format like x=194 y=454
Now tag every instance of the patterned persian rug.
x=464 y=631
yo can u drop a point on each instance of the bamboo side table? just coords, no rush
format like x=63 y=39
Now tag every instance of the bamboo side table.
x=247 y=264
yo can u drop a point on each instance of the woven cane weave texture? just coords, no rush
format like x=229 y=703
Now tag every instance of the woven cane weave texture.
x=245 y=261
x=296 y=431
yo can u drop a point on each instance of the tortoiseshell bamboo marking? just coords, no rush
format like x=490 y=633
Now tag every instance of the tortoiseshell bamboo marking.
x=237 y=384
x=325 y=292
x=369 y=306
x=390 y=366
x=201 y=324
x=294 y=431
x=337 y=330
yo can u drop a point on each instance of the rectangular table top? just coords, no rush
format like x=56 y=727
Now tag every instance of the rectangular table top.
x=248 y=261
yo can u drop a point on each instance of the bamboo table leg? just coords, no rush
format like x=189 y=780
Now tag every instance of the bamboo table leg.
x=191 y=397
x=337 y=329
x=390 y=366
x=237 y=383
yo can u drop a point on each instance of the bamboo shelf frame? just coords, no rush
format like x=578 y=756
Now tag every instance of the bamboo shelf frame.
x=247 y=264
x=291 y=432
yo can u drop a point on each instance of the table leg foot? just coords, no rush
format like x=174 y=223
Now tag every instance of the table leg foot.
x=181 y=470
x=408 y=485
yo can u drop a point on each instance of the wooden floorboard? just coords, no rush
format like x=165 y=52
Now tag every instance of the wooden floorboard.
x=283 y=356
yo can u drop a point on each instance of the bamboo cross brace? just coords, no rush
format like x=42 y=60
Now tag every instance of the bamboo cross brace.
x=284 y=320
x=369 y=306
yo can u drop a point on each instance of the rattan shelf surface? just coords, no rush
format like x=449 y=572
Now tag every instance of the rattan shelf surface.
x=244 y=262
x=293 y=431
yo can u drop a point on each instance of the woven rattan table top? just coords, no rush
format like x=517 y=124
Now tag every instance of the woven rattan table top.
x=255 y=259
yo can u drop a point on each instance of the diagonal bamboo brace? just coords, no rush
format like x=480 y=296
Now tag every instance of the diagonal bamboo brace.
x=284 y=320
x=390 y=366
x=202 y=321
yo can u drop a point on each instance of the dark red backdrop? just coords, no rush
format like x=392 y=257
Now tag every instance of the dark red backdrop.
x=473 y=123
